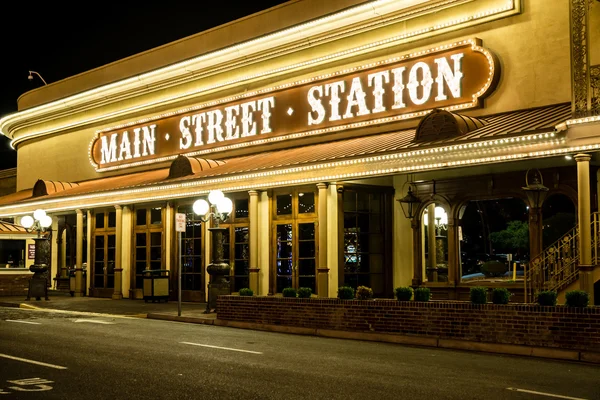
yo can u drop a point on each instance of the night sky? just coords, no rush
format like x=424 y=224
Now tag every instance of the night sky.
x=61 y=41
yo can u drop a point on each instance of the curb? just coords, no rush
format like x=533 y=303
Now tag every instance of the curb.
x=421 y=341
x=26 y=306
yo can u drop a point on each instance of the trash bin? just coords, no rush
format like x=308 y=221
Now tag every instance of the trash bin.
x=72 y=282
x=156 y=285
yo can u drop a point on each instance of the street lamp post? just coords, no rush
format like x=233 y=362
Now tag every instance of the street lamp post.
x=39 y=223
x=218 y=208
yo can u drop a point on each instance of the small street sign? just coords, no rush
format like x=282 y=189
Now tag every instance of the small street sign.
x=180 y=222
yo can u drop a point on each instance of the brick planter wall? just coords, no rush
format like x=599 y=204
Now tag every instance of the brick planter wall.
x=14 y=284
x=519 y=324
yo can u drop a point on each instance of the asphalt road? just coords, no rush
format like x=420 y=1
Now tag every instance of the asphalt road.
x=102 y=357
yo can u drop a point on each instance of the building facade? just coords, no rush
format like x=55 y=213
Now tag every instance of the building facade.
x=317 y=120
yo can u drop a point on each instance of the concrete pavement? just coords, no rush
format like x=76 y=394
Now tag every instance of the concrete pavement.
x=194 y=313
x=125 y=307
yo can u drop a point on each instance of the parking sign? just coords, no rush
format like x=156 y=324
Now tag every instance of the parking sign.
x=180 y=222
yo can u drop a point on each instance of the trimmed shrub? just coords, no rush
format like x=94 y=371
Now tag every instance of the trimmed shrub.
x=546 y=298
x=404 y=293
x=289 y=292
x=345 y=293
x=501 y=296
x=304 y=292
x=577 y=298
x=246 y=292
x=422 y=294
x=364 y=293
x=478 y=295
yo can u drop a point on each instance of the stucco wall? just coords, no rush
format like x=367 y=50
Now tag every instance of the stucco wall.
x=533 y=49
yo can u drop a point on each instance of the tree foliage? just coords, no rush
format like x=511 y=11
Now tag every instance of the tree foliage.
x=512 y=239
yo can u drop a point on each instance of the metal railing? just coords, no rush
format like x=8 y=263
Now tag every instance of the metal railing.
x=556 y=267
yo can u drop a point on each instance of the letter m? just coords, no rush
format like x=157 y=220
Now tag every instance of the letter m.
x=109 y=151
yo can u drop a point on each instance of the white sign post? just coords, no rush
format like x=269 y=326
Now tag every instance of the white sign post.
x=179 y=227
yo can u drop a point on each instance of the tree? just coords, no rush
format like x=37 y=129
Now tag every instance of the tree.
x=513 y=239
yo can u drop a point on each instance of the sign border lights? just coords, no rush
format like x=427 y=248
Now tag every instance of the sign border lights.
x=452 y=76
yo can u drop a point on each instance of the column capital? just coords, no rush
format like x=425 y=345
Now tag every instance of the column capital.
x=253 y=192
x=322 y=185
x=582 y=157
x=79 y=211
x=117 y=207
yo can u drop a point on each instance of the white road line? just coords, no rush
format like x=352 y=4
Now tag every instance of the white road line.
x=23 y=322
x=558 y=396
x=93 y=321
x=222 y=348
x=32 y=362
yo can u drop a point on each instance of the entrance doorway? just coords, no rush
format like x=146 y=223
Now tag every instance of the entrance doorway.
x=104 y=254
x=294 y=254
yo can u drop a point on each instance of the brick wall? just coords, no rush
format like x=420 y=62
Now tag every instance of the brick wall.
x=14 y=284
x=531 y=325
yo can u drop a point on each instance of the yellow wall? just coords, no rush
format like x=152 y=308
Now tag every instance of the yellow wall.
x=533 y=49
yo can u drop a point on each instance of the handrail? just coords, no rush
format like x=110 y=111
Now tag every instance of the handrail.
x=556 y=267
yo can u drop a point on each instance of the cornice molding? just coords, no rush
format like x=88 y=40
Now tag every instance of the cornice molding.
x=517 y=148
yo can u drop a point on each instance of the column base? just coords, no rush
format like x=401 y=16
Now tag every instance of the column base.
x=117 y=296
x=323 y=282
x=586 y=280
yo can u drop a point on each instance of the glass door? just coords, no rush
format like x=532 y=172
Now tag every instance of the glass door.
x=104 y=254
x=295 y=239
x=295 y=255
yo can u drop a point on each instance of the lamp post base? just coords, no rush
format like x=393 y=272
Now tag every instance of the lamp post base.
x=38 y=284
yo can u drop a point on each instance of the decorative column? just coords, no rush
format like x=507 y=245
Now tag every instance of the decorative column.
x=431 y=243
x=79 y=256
x=61 y=242
x=118 y=293
x=322 y=270
x=125 y=261
x=586 y=281
x=253 y=269
x=452 y=247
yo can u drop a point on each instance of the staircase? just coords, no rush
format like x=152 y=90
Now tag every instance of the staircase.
x=556 y=267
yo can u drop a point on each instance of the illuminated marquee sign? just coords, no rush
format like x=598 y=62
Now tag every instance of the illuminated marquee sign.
x=454 y=76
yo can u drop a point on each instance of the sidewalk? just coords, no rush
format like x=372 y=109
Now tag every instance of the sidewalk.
x=190 y=312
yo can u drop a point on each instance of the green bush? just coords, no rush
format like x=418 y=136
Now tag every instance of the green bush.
x=304 y=292
x=404 y=293
x=501 y=296
x=364 y=293
x=546 y=298
x=478 y=295
x=246 y=292
x=345 y=293
x=422 y=294
x=289 y=292
x=577 y=298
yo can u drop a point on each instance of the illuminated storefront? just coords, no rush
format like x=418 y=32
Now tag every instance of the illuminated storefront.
x=316 y=141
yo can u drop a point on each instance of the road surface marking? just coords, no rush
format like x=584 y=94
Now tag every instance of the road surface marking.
x=93 y=321
x=23 y=322
x=222 y=348
x=32 y=362
x=545 y=394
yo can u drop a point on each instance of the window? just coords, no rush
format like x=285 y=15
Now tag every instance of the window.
x=365 y=239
